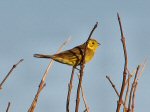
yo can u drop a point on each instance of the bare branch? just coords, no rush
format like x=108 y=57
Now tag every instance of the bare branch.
x=143 y=67
x=70 y=85
x=127 y=91
x=84 y=98
x=130 y=76
x=133 y=86
x=125 y=66
x=14 y=66
x=42 y=83
x=7 y=110
x=82 y=69
x=128 y=86
x=113 y=85
x=133 y=97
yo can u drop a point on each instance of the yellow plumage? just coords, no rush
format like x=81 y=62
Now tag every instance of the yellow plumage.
x=73 y=56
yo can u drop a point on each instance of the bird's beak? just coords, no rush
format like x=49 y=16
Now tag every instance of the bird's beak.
x=99 y=44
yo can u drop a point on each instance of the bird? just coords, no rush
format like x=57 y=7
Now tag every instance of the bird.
x=73 y=57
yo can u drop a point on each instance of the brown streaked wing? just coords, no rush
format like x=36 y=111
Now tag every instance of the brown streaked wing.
x=70 y=57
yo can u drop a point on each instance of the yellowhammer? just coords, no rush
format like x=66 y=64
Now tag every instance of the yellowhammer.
x=74 y=56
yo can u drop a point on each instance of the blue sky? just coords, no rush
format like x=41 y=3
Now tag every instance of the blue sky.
x=41 y=26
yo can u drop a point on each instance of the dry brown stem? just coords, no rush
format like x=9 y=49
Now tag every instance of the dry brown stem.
x=132 y=88
x=125 y=66
x=142 y=69
x=6 y=77
x=42 y=83
x=84 y=98
x=82 y=69
x=127 y=91
x=133 y=97
x=8 y=106
x=70 y=85
x=113 y=85
x=128 y=87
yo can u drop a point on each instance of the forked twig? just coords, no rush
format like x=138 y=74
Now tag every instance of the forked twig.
x=6 y=77
x=125 y=66
x=82 y=69
x=42 y=83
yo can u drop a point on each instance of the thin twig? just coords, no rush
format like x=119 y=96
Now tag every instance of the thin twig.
x=7 y=110
x=128 y=87
x=113 y=85
x=70 y=85
x=42 y=83
x=143 y=67
x=6 y=77
x=82 y=69
x=127 y=92
x=132 y=87
x=125 y=65
x=130 y=76
x=133 y=97
x=84 y=98
x=136 y=84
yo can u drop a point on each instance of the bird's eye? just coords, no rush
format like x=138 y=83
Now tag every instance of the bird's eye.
x=92 y=42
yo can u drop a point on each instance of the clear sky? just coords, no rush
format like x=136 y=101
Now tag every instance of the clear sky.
x=41 y=26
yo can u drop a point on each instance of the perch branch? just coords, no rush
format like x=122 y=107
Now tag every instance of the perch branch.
x=125 y=65
x=42 y=83
x=6 y=77
x=82 y=69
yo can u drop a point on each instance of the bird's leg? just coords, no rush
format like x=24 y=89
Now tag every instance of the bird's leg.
x=77 y=68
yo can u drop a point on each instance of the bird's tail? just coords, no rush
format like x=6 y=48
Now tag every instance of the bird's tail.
x=42 y=56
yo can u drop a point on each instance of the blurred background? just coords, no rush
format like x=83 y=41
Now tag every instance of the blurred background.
x=41 y=26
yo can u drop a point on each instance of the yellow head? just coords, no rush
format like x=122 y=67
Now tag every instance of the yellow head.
x=93 y=44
